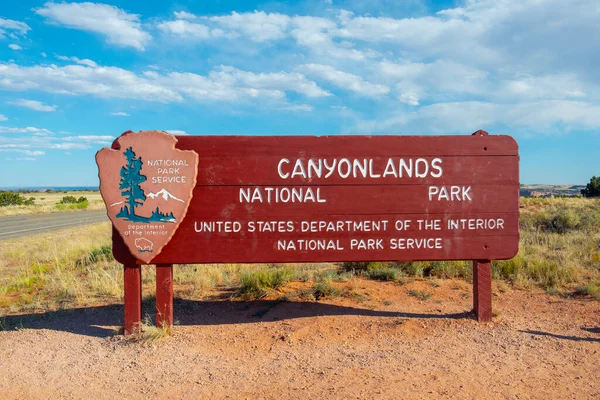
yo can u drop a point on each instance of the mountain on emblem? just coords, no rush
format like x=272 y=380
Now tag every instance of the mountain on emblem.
x=147 y=184
x=164 y=193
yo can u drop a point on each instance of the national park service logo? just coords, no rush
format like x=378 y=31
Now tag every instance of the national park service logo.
x=147 y=186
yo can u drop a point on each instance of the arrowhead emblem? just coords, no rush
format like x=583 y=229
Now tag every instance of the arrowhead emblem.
x=147 y=186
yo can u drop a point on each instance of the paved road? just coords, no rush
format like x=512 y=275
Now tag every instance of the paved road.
x=26 y=225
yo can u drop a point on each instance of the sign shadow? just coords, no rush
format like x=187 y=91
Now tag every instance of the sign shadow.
x=191 y=312
x=100 y=321
x=566 y=337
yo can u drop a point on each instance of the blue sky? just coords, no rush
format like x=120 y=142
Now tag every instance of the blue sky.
x=75 y=75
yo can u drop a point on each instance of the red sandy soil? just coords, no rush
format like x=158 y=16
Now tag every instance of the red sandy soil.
x=380 y=344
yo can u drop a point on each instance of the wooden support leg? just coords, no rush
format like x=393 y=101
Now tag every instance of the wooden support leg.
x=133 y=299
x=164 y=295
x=482 y=290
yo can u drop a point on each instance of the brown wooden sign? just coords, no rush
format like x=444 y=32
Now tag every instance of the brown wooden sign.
x=312 y=199
x=351 y=198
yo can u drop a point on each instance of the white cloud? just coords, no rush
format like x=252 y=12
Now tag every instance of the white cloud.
x=345 y=80
x=13 y=46
x=554 y=86
x=258 y=26
x=317 y=35
x=25 y=159
x=468 y=116
x=27 y=152
x=106 y=82
x=68 y=146
x=184 y=15
x=77 y=60
x=29 y=129
x=14 y=27
x=177 y=132
x=3 y=118
x=33 y=145
x=34 y=105
x=119 y=114
x=439 y=80
x=184 y=29
x=43 y=54
x=297 y=107
x=85 y=141
x=314 y=33
x=224 y=84
x=274 y=81
x=90 y=138
x=118 y=26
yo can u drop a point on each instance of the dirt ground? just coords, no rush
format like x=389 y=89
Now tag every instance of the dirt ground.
x=380 y=344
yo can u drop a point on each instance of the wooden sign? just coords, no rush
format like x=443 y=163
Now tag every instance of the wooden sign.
x=350 y=198
x=147 y=184
x=308 y=199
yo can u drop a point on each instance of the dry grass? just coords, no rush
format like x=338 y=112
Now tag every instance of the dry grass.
x=559 y=250
x=74 y=267
x=46 y=203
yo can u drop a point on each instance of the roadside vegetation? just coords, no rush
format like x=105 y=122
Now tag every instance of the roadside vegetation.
x=559 y=252
x=72 y=203
x=23 y=203
x=14 y=199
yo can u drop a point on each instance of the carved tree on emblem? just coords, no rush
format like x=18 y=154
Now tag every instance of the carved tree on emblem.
x=131 y=179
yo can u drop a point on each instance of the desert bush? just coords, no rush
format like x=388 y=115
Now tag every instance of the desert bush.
x=383 y=273
x=70 y=202
x=256 y=284
x=73 y=200
x=591 y=289
x=333 y=275
x=563 y=219
x=325 y=288
x=94 y=255
x=419 y=295
x=8 y=198
x=355 y=265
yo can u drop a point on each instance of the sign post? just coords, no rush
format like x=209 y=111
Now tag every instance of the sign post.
x=240 y=199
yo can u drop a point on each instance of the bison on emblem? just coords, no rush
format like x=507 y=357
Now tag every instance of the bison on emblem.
x=144 y=245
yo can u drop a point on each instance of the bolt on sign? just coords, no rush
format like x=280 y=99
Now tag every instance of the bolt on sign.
x=249 y=199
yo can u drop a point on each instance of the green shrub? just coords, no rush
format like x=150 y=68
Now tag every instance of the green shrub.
x=8 y=198
x=524 y=272
x=383 y=273
x=565 y=221
x=325 y=289
x=355 y=265
x=72 y=206
x=452 y=269
x=73 y=200
x=96 y=254
x=334 y=276
x=591 y=289
x=562 y=220
x=256 y=284
x=419 y=295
